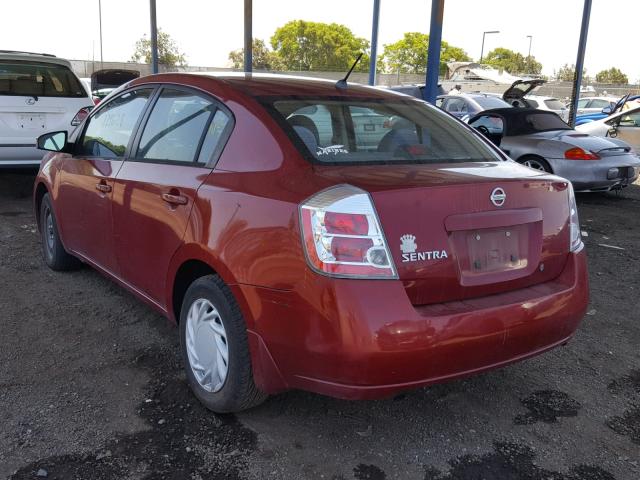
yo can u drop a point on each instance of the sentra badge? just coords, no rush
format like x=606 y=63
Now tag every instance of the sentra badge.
x=408 y=246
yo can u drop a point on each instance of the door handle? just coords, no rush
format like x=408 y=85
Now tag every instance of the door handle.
x=174 y=199
x=103 y=187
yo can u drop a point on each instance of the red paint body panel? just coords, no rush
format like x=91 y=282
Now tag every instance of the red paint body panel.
x=350 y=338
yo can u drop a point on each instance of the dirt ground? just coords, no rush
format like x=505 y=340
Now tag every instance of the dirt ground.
x=91 y=387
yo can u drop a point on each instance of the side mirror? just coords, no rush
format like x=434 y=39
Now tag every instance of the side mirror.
x=606 y=111
x=53 y=142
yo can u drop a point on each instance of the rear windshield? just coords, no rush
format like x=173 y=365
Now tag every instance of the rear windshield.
x=349 y=131
x=554 y=104
x=38 y=80
x=487 y=103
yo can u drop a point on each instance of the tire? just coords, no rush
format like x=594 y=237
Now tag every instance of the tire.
x=210 y=323
x=53 y=252
x=536 y=163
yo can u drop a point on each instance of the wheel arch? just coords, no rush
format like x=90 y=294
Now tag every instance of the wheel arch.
x=533 y=156
x=38 y=194
x=188 y=264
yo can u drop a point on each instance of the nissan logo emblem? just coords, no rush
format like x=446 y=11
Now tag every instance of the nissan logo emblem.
x=30 y=101
x=498 y=197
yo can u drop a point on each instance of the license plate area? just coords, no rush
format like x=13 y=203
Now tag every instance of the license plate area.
x=31 y=122
x=493 y=255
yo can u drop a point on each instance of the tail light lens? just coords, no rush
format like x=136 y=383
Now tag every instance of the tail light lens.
x=575 y=242
x=578 y=153
x=80 y=116
x=342 y=235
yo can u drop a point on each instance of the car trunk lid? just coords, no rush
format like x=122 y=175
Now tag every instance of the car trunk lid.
x=466 y=230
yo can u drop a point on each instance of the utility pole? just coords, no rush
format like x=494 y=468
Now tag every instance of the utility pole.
x=248 y=35
x=374 y=42
x=154 y=36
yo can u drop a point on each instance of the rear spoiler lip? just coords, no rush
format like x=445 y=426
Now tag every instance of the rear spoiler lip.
x=608 y=149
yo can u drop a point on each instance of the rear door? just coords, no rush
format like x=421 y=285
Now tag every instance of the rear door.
x=155 y=189
x=86 y=185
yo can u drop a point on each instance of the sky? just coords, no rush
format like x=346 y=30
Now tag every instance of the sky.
x=206 y=30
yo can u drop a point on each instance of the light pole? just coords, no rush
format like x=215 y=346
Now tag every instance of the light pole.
x=530 y=37
x=100 y=19
x=483 y=34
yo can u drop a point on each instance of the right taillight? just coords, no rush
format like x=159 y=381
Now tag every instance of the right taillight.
x=342 y=235
x=575 y=241
x=578 y=153
x=80 y=116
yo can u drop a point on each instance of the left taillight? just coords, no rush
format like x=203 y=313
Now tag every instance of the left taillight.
x=578 y=153
x=575 y=236
x=80 y=116
x=342 y=235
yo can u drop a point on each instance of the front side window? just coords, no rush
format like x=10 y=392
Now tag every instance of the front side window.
x=583 y=103
x=38 y=80
x=632 y=120
x=362 y=131
x=175 y=127
x=109 y=130
x=600 y=103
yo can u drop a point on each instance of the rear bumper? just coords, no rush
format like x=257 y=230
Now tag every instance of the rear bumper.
x=598 y=175
x=20 y=155
x=360 y=339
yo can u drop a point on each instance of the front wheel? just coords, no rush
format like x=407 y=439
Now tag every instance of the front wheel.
x=215 y=349
x=536 y=163
x=55 y=256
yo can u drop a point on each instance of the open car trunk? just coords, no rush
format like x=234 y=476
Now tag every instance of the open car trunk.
x=518 y=89
x=111 y=78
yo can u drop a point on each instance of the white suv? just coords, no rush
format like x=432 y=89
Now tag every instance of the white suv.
x=39 y=93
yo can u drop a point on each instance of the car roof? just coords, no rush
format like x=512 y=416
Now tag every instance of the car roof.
x=33 y=57
x=274 y=85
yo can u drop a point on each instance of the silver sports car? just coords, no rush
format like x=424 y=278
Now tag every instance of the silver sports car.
x=540 y=139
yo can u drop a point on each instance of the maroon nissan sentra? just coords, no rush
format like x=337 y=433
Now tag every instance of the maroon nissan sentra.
x=344 y=240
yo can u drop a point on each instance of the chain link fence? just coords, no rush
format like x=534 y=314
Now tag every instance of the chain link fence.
x=560 y=90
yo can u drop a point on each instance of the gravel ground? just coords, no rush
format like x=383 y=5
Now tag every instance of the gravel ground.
x=91 y=387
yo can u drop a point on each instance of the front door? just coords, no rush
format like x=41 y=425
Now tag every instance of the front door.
x=155 y=189
x=87 y=178
x=629 y=130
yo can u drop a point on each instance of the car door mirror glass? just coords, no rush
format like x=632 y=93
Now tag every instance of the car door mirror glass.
x=606 y=110
x=53 y=142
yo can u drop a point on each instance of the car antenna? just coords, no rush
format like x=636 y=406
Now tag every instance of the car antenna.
x=342 y=83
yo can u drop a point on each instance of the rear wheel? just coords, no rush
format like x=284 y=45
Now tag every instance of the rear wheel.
x=537 y=163
x=55 y=256
x=215 y=349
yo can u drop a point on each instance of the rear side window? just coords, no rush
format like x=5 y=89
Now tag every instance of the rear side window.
x=175 y=127
x=109 y=130
x=360 y=131
x=213 y=140
x=38 y=80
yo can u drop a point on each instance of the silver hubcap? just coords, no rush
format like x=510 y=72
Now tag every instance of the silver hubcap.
x=207 y=346
x=48 y=226
x=534 y=164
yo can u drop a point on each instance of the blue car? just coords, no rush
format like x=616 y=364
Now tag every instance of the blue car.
x=591 y=117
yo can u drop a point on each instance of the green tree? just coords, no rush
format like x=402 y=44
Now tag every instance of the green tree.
x=567 y=72
x=262 y=59
x=512 y=62
x=168 y=52
x=612 y=75
x=409 y=55
x=303 y=45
